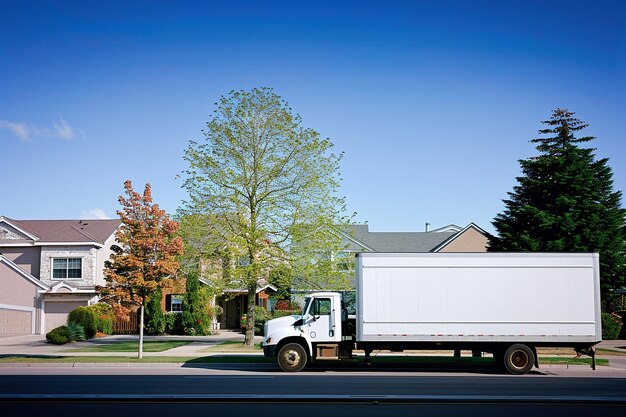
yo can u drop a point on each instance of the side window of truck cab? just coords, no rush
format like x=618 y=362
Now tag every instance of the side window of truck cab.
x=321 y=307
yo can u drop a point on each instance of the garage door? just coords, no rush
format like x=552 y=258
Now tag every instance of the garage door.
x=56 y=312
x=15 y=321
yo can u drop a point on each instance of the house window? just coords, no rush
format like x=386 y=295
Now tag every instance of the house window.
x=67 y=268
x=176 y=304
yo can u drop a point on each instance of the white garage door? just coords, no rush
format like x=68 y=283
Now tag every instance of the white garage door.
x=15 y=321
x=56 y=312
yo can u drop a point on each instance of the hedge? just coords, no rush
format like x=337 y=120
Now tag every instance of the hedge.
x=611 y=326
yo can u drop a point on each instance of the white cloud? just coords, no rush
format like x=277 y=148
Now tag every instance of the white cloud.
x=60 y=130
x=94 y=213
x=21 y=130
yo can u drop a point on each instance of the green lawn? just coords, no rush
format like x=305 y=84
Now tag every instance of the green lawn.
x=232 y=347
x=131 y=346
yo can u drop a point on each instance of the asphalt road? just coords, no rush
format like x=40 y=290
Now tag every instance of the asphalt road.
x=260 y=389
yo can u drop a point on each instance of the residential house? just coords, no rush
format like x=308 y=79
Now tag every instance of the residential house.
x=233 y=299
x=48 y=268
x=451 y=238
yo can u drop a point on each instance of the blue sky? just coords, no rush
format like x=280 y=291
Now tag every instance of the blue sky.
x=433 y=103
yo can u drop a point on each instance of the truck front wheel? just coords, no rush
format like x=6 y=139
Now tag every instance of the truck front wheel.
x=518 y=359
x=292 y=357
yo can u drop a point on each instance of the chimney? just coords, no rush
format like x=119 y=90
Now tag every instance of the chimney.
x=427 y=226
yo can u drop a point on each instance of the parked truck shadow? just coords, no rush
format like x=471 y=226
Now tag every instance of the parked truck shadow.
x=484 y=366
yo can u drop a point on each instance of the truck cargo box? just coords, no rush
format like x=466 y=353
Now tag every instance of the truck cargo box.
x=482 y=297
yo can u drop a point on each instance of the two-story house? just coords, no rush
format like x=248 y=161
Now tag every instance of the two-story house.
x=48 y=268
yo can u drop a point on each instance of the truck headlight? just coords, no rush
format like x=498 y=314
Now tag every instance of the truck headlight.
x=268 y=341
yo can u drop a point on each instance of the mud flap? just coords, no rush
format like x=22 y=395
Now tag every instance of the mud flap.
x=589 y=351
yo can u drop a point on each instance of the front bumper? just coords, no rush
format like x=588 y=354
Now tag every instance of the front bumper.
x=268 y=351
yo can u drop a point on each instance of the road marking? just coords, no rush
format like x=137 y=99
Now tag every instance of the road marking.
x=228 y=376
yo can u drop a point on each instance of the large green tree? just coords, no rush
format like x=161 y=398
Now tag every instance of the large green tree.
x=258 y=182
x=565 y=201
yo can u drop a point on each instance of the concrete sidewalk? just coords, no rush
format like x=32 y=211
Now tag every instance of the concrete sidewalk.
x=32 y=345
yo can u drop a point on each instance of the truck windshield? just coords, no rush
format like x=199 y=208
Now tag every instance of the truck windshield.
x=307 y=301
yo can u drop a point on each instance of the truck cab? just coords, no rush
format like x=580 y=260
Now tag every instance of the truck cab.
x=316 y=334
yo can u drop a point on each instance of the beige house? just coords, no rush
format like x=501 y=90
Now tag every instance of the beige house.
x=48 y=268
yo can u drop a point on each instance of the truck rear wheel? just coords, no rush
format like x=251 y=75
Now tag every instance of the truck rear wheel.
x=292 y=357
x=518 y=359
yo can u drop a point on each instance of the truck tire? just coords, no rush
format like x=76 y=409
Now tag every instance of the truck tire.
x=518 y=359
x=292 y=357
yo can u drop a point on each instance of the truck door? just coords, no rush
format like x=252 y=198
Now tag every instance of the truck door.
x=319 y=323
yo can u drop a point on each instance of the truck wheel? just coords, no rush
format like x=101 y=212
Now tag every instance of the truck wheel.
x=519 y=359
x=292 y=357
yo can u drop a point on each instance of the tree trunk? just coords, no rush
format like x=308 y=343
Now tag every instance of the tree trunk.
x=140 y=353
x=249 y=341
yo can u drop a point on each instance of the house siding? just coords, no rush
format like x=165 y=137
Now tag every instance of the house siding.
x=470 y=241
x=15 y=289
x=103 y=255
x=26 y=258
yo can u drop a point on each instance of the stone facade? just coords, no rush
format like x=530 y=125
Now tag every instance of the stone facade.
x=7 y=232
x=86 y=253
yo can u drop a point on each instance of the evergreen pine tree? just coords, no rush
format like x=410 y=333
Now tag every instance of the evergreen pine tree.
x=196 y=320
x=565 y=202
x=155 y=320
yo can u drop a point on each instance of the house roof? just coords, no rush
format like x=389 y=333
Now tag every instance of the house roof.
x=394 y=241
x=361 y=239
x=65 y=231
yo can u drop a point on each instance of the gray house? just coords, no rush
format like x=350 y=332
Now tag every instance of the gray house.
x=48 y=268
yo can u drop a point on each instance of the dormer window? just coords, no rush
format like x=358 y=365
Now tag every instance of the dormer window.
x=67 y=268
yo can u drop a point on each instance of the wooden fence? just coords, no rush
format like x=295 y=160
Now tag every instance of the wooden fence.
x=126 y=327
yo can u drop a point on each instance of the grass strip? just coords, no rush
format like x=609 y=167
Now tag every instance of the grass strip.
x=131 y=346
x=572 y=361
x=232 y=346
x=610 y=352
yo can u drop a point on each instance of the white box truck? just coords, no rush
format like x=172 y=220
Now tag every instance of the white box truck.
x=507 y=304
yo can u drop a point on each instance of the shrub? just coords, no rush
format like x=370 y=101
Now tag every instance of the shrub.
x=284 y=313
x=75 y=332
x=173 y=323
x=261 y=316
x=611 y=326
x=286 y=305
x=58 y=336
x=86 y=318
x=104 y=317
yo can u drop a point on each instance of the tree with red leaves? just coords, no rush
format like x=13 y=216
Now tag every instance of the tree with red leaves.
x=144 y=258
